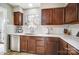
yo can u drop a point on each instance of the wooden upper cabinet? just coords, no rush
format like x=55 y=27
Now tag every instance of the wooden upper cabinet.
x=78 y=11
x=54 y=16
x=47 y=16
x=58 y=16
x=71 y=13
x=18 y=18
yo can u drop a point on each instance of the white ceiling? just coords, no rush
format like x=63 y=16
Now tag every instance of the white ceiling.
x=25 y=5
x=42 y=5
x=52 y=5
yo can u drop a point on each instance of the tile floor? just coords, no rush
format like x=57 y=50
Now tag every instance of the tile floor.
x=17 y=53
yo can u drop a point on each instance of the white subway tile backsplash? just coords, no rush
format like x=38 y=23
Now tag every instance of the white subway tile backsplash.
x=10 y=28
x=58 y=30
x=41 y=29
x=73 y=28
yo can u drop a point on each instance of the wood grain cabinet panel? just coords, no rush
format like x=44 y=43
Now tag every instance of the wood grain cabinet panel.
x=23 y=44
x=71 y=13
x=18 y=18
x=60 y=51
x=66 y=49
x=54 y=16
x=58 y=16
x=72 y=50
x=47 y=15
x=46 y=46
x=31 y=45
x=40 y=50
x=63 y=46
x=40 y=43
x=27 y=44
x=78 y=11
x=52 y=46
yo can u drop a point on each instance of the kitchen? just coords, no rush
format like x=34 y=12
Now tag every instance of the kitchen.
x=40 y=28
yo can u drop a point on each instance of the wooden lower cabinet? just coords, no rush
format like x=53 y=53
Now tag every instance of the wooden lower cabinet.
x=23 y=43
x=52 y=46
x=66 y=49
x=27 y=44
x=39 y=45
x=63 y=46
x=40 y=50
x=31 y=45
x=72 y=50
x=46 y=46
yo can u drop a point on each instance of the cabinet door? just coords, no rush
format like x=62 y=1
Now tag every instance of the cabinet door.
x=47 y=16
x=40 y=45
x=71 y=13
x=23 y=44
x=40 y=42
x=40 y=50
x=31 y=45
x=63 y=46
x=72 y=50
x=58 y=16
x=78 y=11
x=18 y=18
x=61 y=50
x=52 y=46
